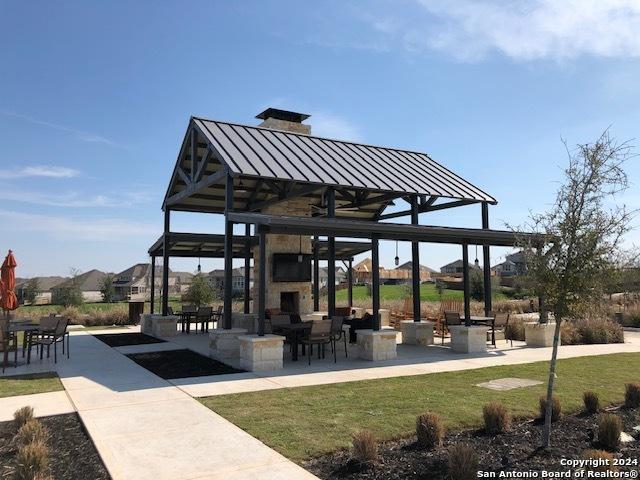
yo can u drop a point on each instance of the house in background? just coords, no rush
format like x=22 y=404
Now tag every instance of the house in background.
x=454 y=269
x=216 y=279
x=89 y=284
x=134 y=283
x=514 y=265
x=183 y=279
x=45 y=284
x=426 y=273
x=323 y=276
x=401 y=274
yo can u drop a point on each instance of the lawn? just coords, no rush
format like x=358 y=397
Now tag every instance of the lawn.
x=88 y=308
x=306 y=422
x=28 y=384
x=428 y=293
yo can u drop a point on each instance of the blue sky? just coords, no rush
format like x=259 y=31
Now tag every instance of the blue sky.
x=96 y=98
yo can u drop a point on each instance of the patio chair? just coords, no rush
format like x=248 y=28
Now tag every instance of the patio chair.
x=320 y=334
x=337 y=333
x=500 y=324
x=276 y=321
x=8 y=344
x=51 y=332
x=202 y=317
x=188 y=311
x=169 y=311
x=217 y=315
x=450 y=318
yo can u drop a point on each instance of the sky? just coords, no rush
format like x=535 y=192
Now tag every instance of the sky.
x=95 y=98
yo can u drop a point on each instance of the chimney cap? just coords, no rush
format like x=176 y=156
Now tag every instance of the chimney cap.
x=283 y=115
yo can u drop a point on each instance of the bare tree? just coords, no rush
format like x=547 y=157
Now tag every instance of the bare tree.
x=582 y=233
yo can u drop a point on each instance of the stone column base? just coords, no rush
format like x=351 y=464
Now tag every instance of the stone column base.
x=417 y=333
x=377 y=345
x=471 y=339
x=539 y=334
x=247 y=321
x=157 y=325
x=224 y=344
x=261 y=353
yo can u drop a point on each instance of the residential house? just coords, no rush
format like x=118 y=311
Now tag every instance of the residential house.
x=514 y=265
x=401 y=274
x=183 y=279
x=426 y=273
x=134 y=283
x=45 y=284
x=323 y=276
x=89 y=284
x=216 y=279
x=454 y=269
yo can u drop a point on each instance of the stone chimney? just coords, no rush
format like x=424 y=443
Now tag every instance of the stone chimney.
x=284 y=120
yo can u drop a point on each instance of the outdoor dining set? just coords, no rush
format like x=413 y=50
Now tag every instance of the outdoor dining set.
x=47 y=332
x=201 y=316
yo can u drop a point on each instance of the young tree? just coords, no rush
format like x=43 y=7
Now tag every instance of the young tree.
x=70 y=294
x=582 y=234
x=32 y=290
x=107 y=290
x=200 y=291
x=476 y=284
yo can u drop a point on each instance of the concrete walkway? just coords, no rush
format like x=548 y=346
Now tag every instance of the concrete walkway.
x=44 y=404
x=146 y=428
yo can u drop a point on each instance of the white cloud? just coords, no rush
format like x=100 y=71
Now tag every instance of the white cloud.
x=523 y=30
x=74 y=199
x=74 y=228
x=39 y=171
x=82 y=135
x=329 y=125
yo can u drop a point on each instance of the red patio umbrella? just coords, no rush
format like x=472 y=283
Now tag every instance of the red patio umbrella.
x=8 y=299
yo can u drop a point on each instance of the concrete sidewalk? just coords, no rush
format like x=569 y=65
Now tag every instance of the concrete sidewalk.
x=146 y=428
x=44 y=404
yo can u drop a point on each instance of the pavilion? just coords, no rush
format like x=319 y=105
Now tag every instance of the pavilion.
x=290 y=184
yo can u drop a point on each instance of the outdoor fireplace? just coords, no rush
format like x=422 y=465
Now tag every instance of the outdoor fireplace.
x=290 y=302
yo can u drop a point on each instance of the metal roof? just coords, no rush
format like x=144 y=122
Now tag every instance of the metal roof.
x=384 y=231
x=205 y=245
x=268 y=165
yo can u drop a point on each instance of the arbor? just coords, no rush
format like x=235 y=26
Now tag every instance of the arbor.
x=582 y=233
x=31 y=290
x=107 y=290
x=200 y=291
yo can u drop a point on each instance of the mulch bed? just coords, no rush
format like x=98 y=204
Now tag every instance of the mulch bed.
x=124 y=339
x=72 y=455
x=513 y=451
x=181 y=364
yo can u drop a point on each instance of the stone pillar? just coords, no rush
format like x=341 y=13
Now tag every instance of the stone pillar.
x=247 y=321
x=539 y=334
x=145 y=323
x=377 y=344
x=261 y=353
x=472 y=339
x=417 y=333
x=224 y=344
x=158 y=325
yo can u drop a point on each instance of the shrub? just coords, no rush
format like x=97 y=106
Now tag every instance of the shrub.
x=32 y=461
x=462 y=463
x=591 y=402
x=599 y=455
x=591 y=331
x=365 y=447
x=22 y=416
x=609 y=429
x=32 y=431
x=556 y=408
x=632 y=395
x=496 y=418
x=429 y=430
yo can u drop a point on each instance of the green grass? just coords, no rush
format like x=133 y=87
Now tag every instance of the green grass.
x=88 y=308
x=308 y=421
x=428 y=293
x=28 y=384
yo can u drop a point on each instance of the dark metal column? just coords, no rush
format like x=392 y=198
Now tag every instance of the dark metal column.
x=316 y=274
x=486 y=262
x=331 y=268
x=350 y=283
x=262 y=279
x=375 y=282
x=228 y=253
x=153 y=283
x=415 y=262
x=465 y=283
x=247 y=266
x=165 y=261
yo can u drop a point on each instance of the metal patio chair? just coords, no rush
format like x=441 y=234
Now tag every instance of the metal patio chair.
x=320 y=335
x=450 y=318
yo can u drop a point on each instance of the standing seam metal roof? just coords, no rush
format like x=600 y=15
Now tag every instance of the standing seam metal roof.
x=279 y=155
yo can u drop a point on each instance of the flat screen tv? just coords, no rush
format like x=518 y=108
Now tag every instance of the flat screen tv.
x=287 y=268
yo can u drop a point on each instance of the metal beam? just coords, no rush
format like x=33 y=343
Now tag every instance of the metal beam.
x=203 y=165
x=316 y=274
x=195 y=187
x=465 y=284
x=283 y=196
x=428 y=208
x=486 y=263
x=262 y=279
x=350 y=283
x=194 y=154
x=153 y=284
x=331 y=269
x=228 y=254
x=415 y=263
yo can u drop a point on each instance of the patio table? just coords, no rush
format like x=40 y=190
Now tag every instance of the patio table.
x=294 y=332
x=185 y=318
x=482 y=320
x=28 y=329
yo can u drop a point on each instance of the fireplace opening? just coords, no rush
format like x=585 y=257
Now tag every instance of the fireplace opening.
x=290 y=302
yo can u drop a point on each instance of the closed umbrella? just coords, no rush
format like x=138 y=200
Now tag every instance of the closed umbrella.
x=8 y=299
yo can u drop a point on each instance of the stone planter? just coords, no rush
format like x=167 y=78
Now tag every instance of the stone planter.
x=377 y=345
x=145 y=323
x=472 y=339
x=224 y=344
x=417 y=333
x=261 y=353
x=159 y=326
x=539 y=334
